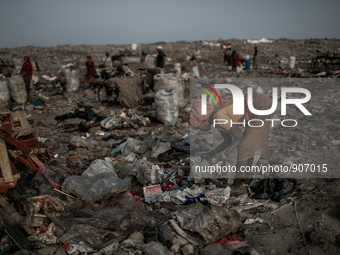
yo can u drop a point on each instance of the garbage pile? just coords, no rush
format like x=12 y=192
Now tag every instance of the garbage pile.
x=91 y=179
x=131 y=202
x=126 y=203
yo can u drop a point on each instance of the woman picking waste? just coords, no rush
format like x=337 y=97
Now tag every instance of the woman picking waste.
x=248 y=140
x=91 y=69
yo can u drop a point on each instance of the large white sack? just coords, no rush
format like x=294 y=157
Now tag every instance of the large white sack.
x=171 y=81
x=18 y=89
x=5 y=94
x=72 y=78
x=150 y=62
x=166 y=106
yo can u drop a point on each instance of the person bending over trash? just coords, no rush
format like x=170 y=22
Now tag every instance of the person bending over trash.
x=248 y=140
x=26 y=73
x=91 y=69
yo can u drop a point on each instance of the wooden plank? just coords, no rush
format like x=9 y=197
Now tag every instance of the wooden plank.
x=26 y=128
x=5 y=187
x=5 y=116
x=14 y=142
x=14 y=169
x=7 y=125
x=25 y=132
x=22 y=160
x=23 y=122
x=6 y=169
x=36 y=160
x=15 y=177
x=17 y=123
x=34 y=151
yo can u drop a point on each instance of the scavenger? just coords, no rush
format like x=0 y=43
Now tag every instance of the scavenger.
x=248 y=140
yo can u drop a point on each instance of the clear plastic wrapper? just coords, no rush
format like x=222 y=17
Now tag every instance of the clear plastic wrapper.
x=97 y=167
x=92 y=189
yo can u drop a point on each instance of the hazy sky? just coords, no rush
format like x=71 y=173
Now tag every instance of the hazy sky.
x=46 y=23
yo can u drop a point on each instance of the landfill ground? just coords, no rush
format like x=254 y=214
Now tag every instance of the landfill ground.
x=274 y=228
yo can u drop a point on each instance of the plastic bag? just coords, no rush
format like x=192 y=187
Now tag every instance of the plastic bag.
x=108 y=250
x=274 y=189
x=110 y=122
x=117 y=217
x=166 y=106
x=18 y=89
x=144 y=168
x=55 y=172
x=171 y=81
x=97 y=167
x=30 y=184
x=5 y=94
x=33 y=205
x=92 y=189
x=14 y=215
x=205 y=225
x=72 y=78
x=131 y=145
x=218 y=196
x=134 y=170
x=132 y=244
x=82 y=142
x=161 y=148
x=156 y=248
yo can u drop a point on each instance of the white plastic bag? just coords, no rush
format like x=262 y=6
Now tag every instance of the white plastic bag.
x=72 y=78
x=166 y=106
x=18 y=89
x=171 y=81
x=97 y=167
x=5 y=94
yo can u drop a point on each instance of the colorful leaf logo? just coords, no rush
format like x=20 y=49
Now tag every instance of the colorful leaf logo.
x=213 y=90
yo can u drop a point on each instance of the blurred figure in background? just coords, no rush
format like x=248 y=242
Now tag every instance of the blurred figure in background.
x=255 y=66
x=26 y=73
x=106 y=66
x=107 y=61
x=160 y=59
x=228 y=54
x=247 y=62
x=91 y=69
x=234 y=60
